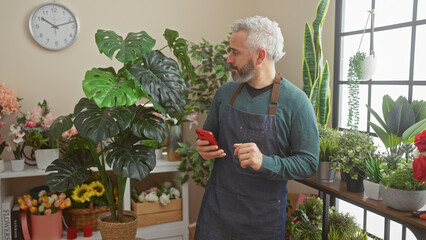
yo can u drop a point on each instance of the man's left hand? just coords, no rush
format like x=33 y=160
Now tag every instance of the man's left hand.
x=249 y=155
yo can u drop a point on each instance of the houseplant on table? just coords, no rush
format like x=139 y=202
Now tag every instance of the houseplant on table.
x=354 y=148
x=114 y=131
x=329 y=145
x=373 y=176
x=18 y=162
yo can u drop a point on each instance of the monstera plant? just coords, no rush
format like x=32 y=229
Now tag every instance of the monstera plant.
x=116 y=122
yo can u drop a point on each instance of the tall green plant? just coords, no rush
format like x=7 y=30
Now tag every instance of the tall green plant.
x=354 y=76
x=316 y=75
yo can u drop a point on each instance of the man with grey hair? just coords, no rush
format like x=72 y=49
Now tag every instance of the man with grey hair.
x=267 y=134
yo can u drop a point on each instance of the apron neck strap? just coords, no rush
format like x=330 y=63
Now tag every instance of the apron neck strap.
x=274 y=96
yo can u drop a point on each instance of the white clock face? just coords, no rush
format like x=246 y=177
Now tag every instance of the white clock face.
x=54 y=26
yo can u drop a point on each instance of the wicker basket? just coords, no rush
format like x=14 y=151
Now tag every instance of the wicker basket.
x=79 y=218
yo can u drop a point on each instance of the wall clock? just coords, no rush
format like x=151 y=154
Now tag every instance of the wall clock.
x=54 y=26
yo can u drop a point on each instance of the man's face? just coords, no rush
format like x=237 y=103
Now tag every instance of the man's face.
x=240 y=60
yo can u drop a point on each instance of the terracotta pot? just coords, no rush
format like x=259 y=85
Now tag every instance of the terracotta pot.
x=46 y=227
x=115 y=230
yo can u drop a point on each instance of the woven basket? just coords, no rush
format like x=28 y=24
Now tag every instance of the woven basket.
x=116 y=230
x=79 y=218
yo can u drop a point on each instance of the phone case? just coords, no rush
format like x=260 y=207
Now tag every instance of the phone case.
x=206 y=135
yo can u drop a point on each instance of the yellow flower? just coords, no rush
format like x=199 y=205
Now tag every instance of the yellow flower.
x=98 y=188
x=82 y=193
x=33 y=209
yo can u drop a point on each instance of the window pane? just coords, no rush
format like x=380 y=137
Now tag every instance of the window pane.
x=344 y=107
x=393 y=54
x=393 y=11
x=355 y=14
x=395 y=231
x=421 y=10
x=419 y=93
x=350 y=46
x=375 y=224
x=420 y=54
x=410 y=235
x=377 y=93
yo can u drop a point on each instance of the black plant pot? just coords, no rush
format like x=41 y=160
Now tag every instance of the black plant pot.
x=354 y=185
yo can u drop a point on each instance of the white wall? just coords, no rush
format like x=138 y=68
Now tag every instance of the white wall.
x=37 y=74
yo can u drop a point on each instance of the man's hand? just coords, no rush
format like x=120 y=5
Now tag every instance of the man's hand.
x=208 y=151
x=249 y=155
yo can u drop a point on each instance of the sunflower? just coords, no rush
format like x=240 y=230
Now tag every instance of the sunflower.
x=97 y=188
x=82 y=193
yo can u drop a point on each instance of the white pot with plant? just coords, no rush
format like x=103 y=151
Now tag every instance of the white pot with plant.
x=373 y=177
x=18 y=162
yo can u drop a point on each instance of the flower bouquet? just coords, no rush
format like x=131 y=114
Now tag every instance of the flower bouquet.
x=157 y=205
x=88 y=203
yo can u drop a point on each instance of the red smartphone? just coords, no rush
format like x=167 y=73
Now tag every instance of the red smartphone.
x=206 y=135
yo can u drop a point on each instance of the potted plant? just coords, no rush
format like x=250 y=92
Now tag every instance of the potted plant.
x=306 y=221
x=18 y=162
x=373 y=176
x=329 y=144
x=354 y=77
x=403 y=187
x=114 y=128
x=354 y=148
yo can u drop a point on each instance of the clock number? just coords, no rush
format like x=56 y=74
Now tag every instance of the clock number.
x=56 y=43
x=41 y=35
x=71 y=35
x=73 y=26
x=45 y=12
x=54 y=10
x=37 y=26
x=47 y=41
x=65 y=41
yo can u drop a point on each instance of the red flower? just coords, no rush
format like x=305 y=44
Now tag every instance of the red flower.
x=420 y=141
x=419 y=168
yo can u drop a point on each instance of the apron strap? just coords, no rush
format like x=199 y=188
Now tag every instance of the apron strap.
x=274 y=96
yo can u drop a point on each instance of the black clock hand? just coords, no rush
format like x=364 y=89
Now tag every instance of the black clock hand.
x=64 y=23
x=54 y=26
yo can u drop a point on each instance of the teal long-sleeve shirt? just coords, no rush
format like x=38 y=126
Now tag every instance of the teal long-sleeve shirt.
x=296 y=125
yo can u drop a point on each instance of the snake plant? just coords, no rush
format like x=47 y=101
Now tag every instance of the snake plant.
x=315 y=74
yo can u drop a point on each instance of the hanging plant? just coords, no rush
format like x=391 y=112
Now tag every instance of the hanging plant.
x=354 y=77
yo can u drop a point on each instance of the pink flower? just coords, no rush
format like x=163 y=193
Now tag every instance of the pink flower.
x=57 y=203
x=48 y=120
x=36 y=113
x=68 y=134
x=192 y=119
x=30 y=124
x=8 y=101
x=62 y=196
x=48 y=211
x=1 y=124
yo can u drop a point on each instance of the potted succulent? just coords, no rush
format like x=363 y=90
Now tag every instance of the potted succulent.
x=373 y=176
x=114 y=128
x=354 y=148
x=329 y=144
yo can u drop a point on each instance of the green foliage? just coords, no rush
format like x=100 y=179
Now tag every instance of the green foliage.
x=112 y=127
x=401 y=121
x=354 y=76
x=192 y=163
x=354 y=148
x=343 y=225
x=329 y=143
x=316 y=76
x=372 y=168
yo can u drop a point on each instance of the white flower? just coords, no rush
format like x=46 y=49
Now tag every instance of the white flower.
x=151 y=197
x=168 y=118
x=141 y=197
x=41 y=207
x=164 y=199
x=174 y=192
x=8 y=148
x=42 y=193
x=167 y=184
x=28 y=116
x=18 y=139
x=54 y=197
x=14 y=129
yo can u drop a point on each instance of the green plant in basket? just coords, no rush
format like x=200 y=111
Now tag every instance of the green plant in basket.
x=114 y=126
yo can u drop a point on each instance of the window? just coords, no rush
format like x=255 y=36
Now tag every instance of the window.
x=400 y=48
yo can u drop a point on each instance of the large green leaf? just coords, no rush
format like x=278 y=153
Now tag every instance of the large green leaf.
x=133 y=47
x=148 y=125
x=135 y=162
x=109 y=89
x=419 y=108
x=101 y=123
x=383 y=135
x=309 y=55
x=378 y=118
x=307 y=85
x=322 y=9
x=400 y=117
x=387 y=104
x=161 y=80
x=68 y=172
x=415 y=129
x=324 y=96
x=314 y=95
x=60 y=125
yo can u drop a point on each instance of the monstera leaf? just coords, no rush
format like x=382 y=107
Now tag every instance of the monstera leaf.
x=60 y=125
x=152 y=126
x=135 y=162
x=68 y=172
x=161 y=79
x=109 y=89
x=133 y=47
x=101 y=123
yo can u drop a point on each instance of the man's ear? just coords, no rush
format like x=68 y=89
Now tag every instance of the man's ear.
x=261 y=56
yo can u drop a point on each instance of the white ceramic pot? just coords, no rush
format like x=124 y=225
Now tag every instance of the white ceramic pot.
x=403 y=200
x=44 y=157
x=17 y=165
x=372 y=190
x=158 y=153
x=1 y=165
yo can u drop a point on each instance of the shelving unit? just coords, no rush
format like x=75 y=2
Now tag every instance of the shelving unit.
x=167 y=231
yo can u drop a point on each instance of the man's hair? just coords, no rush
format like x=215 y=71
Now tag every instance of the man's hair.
x=262 y=33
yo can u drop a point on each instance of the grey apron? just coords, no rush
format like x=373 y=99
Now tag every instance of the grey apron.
x=241 y=203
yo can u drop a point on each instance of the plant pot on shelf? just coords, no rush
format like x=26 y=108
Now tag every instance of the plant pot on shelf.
x=46 y=227
x=115 y=230
x=403 y=200
x=1 y=165
x=372 y=190
x=325 y=173
x=44 y=157
x=175 y=136
x=18 y=165
x=354 y=185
